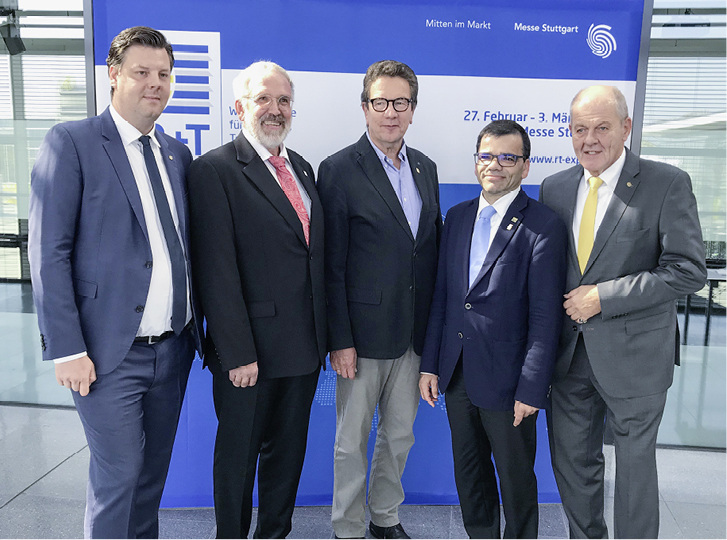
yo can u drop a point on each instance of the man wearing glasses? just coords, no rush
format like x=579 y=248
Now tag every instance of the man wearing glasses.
x=493 y=334
x=381 y=203
x=257 y=241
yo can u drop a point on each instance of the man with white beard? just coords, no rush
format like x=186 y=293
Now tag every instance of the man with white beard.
x=257 y=244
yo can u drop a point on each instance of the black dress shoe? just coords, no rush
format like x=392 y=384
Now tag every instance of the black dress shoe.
x=395 y=531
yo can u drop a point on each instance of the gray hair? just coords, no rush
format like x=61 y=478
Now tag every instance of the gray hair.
x=255 y=72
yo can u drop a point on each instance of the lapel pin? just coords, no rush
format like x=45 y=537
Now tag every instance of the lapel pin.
x=171 y=156
x=629 y=184
x=418 y=171
x=305 y=173
x=514 y=219
x=509 y=227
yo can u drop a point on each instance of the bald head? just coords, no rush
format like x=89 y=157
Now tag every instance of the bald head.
x=609 y=95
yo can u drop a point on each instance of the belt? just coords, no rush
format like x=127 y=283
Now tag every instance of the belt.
x=150 y=340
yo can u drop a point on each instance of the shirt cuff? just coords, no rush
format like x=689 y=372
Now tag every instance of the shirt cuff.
x=64 y=359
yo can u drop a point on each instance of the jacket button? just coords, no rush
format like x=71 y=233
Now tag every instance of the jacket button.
x=460 y=335
x=148 y=264
x=575 y=328
x=468 y=306
x=139 y=309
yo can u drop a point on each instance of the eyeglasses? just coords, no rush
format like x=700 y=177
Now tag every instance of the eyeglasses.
x=505 y=160
x=400 y=104
x=265 y=100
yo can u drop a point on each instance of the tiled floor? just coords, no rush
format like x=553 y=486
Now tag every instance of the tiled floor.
x=44 y=459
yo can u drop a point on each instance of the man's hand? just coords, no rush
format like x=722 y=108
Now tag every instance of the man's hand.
x=429 y=388
x=244 y=376
x=582 y=303
x=78 y=374
x=522 y=411
x=343 y=361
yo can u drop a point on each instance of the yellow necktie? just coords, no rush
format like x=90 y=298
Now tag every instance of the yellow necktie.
x=588 y=222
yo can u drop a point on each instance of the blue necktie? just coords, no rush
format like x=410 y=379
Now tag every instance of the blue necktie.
x=480 y=241
x=176 y=255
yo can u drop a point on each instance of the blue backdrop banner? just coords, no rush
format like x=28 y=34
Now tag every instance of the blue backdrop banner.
x=476 y=60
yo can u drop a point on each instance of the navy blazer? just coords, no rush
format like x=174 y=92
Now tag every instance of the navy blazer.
x=505 y=328
x=90 y=257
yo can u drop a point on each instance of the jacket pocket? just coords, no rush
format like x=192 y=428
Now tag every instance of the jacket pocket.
x=647 y=324
x=85 y=288
x=632 y=236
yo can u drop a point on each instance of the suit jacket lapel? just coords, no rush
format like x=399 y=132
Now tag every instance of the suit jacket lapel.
x=509 y=224
x=258 y=173
x=568 y=203
x=374 y=171
x=117 y=154
x=421 y=183
x=625 y=188
x=464 y=241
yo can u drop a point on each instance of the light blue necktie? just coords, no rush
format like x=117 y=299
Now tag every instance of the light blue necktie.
x=480 y=241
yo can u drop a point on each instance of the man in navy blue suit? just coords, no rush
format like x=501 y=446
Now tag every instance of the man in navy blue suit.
x=108 y=241
x=493 y=333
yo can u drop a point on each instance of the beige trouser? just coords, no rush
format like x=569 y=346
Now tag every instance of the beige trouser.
x=394 y=386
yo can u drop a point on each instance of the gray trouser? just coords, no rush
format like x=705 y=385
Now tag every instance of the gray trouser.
x=575 y=429
x=393 y=385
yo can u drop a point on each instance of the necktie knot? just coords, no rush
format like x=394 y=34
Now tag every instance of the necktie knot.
x=487 y=212
x=278 y=162
x=595 y=183
x=144 y=139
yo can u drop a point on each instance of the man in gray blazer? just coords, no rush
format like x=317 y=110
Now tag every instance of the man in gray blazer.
x=636 y=246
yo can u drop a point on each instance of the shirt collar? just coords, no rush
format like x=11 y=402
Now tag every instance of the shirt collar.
x=263 y=152
x=501 y=205
x=611 y=175
x=383 y=157
x=128 y=133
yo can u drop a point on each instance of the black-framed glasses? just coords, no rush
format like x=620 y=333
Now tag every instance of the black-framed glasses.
x=381 y=104
x=265 y=100
x=505 y=160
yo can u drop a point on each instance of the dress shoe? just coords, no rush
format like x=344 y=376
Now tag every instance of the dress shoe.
x=395 y=531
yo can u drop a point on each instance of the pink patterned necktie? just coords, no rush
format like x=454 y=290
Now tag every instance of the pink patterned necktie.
x=290 y=188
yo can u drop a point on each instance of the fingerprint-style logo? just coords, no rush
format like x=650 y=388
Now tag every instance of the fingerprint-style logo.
x=600 y=40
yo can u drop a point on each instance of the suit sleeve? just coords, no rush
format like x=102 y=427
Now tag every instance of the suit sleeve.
x=214 y=259
x=546 y=284
x=55 y=202
x=681 y=268
x=335 y=212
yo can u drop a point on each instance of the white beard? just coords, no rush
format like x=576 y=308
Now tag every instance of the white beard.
x=267 y=140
